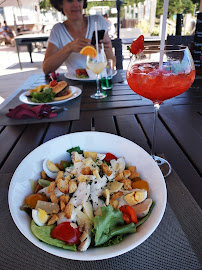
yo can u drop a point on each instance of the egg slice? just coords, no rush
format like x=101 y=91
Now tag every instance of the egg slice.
x=39 y=216
x=50 y=168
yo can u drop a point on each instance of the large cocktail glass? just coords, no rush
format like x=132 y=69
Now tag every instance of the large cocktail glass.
x=97 y=65
x=160 y=80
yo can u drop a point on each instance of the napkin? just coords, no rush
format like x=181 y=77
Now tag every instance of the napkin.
x=23 y=111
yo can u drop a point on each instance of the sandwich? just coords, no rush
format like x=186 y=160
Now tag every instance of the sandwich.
x=61 y=91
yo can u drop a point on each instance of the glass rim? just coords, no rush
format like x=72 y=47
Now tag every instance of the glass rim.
x=167 y=48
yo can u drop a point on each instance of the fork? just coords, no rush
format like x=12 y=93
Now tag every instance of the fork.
x=58 y=109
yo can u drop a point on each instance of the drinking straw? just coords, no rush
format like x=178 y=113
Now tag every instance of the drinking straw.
x=163 y=32
x=96 y=38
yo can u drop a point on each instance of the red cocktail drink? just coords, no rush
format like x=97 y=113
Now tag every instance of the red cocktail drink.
x=158 y=75
x=149 y=81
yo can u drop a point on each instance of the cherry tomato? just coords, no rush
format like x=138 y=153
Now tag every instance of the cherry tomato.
x=65 y=232
x=129 y=214
x=53 y=83
x=109 y=157
x=126 y=218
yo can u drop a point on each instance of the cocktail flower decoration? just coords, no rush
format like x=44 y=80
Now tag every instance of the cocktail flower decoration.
x=137 y=46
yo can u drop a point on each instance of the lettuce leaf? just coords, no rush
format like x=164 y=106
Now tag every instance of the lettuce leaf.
x=43 y=234
x=43 y=97
x=109 y=225
x=75 y=149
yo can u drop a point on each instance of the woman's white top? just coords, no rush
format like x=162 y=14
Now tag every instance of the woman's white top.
x=59 y=36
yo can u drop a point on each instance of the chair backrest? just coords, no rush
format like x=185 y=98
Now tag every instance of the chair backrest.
x=117 y=45
x=180 y=40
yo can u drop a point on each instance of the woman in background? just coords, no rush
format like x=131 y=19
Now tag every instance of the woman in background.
x=68 y=38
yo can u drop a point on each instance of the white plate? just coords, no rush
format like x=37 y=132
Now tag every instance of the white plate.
x=75 y=90
x=55 y=150
x=72 y=76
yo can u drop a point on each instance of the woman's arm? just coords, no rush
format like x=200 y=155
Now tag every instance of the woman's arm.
x=108 y=48
x=54 y=57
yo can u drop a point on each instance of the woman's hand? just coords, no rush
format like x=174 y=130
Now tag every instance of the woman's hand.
x=78 y=44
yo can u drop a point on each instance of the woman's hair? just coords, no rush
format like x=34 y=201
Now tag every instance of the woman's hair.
x=58 y=3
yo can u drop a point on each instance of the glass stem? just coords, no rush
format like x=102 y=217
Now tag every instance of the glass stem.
x=156 y=110
x=98 y=86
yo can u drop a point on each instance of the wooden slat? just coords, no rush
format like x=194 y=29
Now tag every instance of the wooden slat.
x=84 y=124
x=105 y=124
x=56 y=129
x=129 y=128
x=180 y=163
x=30 y=139
x=186 y=126
x=8 y=138
x=114 y=105
x=120 y=111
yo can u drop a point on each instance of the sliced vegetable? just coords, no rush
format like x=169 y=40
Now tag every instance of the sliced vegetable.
x=44 y=234
x=53 y=83
x=44 y=183
x=65 y=232
x=32 y=200
x=129 y=214
x=109 y=157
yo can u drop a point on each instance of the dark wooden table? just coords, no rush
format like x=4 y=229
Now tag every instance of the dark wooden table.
x=179 y=132
x=176 y=243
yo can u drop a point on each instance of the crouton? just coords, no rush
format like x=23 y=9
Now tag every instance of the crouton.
x=72 y=186
x=106 y=169
x=64 y=198
x=83 y=178
x=126 y=173
x=119 y=177
x=60 y=175
x=62 y=206
x=86 y=171
x=127 y=184
x=68 y=210
x=117 y=195
x=53 y=219
x=114 y=203
x=51 y=187
x=63 y=185
x=134 y=175
x=53 y=198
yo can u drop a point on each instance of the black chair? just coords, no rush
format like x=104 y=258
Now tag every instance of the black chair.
x=117 y=45
x=180 y=40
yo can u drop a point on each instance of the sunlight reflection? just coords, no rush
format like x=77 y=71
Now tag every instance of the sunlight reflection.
x=1 y=100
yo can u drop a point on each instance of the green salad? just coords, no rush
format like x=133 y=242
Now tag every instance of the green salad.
x=91 y=201
x=44 y=96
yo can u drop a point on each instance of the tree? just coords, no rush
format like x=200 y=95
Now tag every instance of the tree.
x=175 y=7
x=45 y=6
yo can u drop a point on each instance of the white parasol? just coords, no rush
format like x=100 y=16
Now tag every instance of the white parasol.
x=17 y=3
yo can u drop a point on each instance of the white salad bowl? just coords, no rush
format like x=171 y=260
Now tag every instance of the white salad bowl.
x=55 y=150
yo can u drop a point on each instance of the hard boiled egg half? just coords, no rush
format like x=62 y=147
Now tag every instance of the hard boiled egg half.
x=39 y=216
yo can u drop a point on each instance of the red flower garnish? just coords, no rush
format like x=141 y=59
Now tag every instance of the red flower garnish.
x=138 y=45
